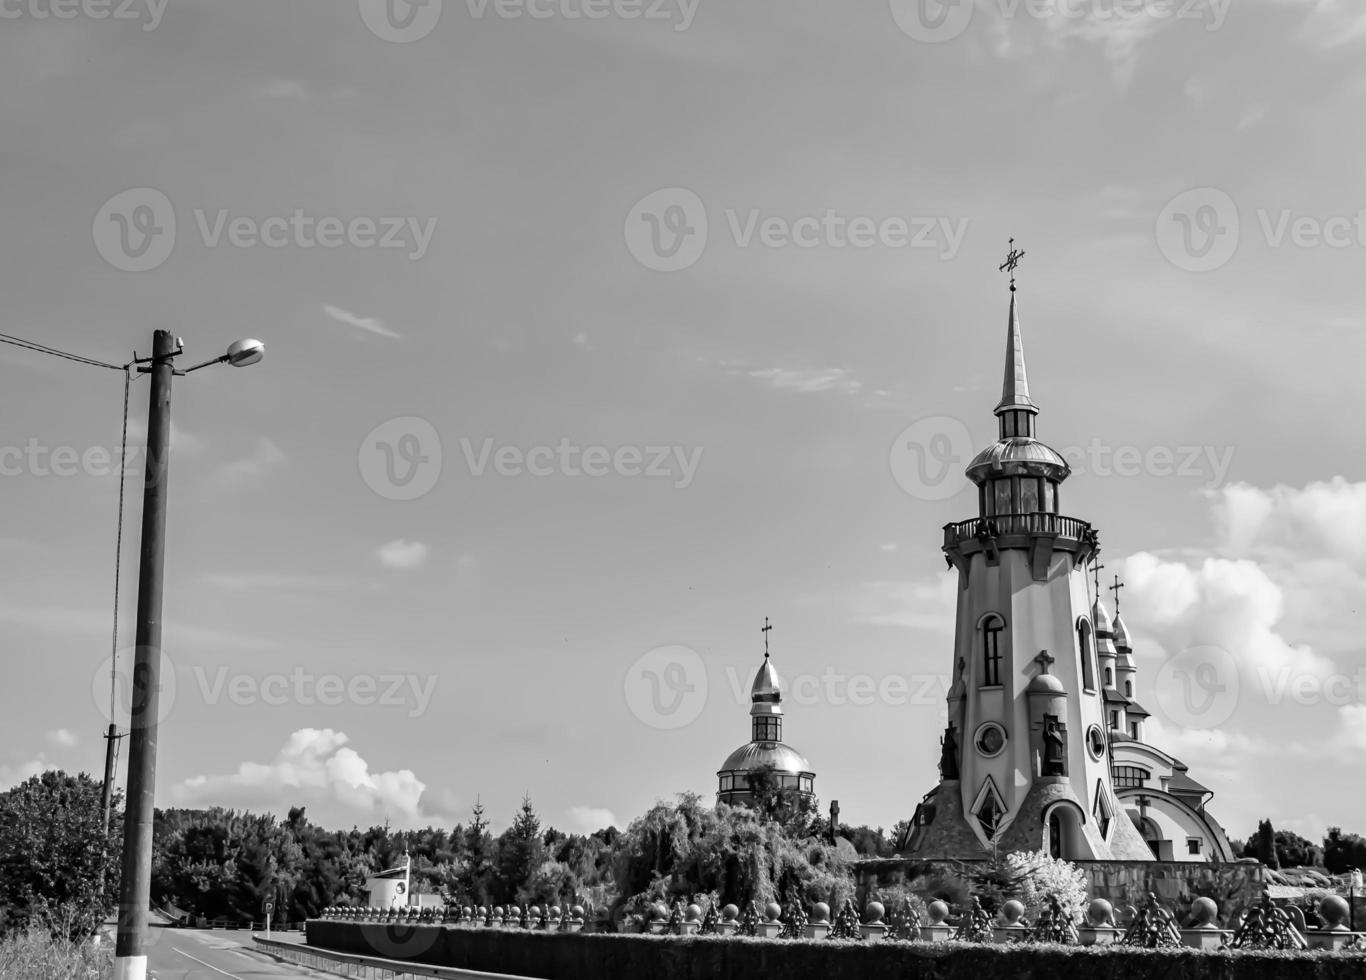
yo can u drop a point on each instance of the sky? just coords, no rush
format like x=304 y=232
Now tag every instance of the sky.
x=598 y=331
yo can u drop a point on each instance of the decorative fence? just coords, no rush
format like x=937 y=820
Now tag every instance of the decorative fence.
x=1152 y=925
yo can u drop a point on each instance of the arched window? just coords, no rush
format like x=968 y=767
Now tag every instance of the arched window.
x=1109 y=677
x=992 y=628
x=1128 y=689
x=1088 y=653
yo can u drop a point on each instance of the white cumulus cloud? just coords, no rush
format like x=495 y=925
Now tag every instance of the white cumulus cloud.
x=402 y=554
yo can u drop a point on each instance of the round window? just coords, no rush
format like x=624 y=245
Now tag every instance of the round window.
x=1095 y=742
x=991 y=739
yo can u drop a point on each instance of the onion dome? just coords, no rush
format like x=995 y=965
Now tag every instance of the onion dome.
x=753 y=756
x=767 y=686
x=1018 y=455
x=1100 y=618
x=1121 y=634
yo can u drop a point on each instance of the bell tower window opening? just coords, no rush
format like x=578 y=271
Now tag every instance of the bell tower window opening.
x=991 y=651
x=1029 y=495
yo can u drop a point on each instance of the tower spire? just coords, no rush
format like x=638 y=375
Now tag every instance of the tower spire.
x=1016 y=409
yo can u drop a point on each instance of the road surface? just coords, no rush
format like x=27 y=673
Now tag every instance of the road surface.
x=196 y=954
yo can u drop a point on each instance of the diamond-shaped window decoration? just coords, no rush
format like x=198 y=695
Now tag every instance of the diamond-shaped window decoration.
x=1102 y=810
x=989 y=810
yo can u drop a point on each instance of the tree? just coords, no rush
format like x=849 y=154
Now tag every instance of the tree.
x=520 y=852
x=1266 y=845
x=1343 y=852
x=57 y=859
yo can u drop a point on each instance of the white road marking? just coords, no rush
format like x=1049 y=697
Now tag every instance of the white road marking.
x=202 y=963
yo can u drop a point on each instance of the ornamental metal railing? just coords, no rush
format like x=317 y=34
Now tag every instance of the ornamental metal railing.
x=1070 y=528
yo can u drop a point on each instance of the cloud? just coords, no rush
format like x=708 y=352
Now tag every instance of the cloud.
x=1330 y=23
x=927 y=603
x=273 y=581
x=63 y=737
x=252 y=469
x=369 y=324
x=808 y=381
x=1233 y=604
x=11 y=776
x=402 y=554
x=587 y=819
x=315 y=768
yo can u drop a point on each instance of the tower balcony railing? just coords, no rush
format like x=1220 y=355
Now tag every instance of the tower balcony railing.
x=1002 y=525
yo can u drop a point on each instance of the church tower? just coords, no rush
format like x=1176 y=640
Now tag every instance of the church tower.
x=1025 y=760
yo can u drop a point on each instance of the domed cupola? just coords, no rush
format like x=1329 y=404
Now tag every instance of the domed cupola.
x=765 y=750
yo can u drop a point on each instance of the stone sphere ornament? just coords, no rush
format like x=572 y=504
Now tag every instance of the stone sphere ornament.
x=693 y=913
x=1012 y=911
x=577 y=911
x=938 y=911
x=874 y=912
x=820 y=912
x=772 y=911
x=1204 y=913
x=730 y=913
x=1334 y=911
x=1100 y=913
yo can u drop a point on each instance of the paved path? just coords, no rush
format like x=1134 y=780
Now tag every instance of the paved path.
x=196 y=954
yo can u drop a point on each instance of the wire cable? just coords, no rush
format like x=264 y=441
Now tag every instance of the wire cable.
x=118 y=554
x=44 y=349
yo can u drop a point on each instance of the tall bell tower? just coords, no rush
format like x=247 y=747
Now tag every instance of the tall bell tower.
x=1025 y=759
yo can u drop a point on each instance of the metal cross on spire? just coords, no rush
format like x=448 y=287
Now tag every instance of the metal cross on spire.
x=1012 y=263
x=1095 y=577
x=1115 y=589
x=768 y=628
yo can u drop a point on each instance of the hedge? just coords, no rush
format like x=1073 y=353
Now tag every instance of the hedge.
x=560 y=956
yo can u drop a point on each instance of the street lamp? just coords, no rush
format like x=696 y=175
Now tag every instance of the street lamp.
x=135 y=889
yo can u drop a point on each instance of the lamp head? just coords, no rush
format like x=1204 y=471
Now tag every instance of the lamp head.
x=243 y=352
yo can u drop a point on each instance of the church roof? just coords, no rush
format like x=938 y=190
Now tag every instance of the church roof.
x=1100 y=617
x=756 y=755
x=1182 y=783
x=1121 y=633
x=1020 y=452
x=1136 y=710
x=1015 y=388
x=767 y=685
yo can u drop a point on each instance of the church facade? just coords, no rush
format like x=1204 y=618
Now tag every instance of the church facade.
x=1044 y=744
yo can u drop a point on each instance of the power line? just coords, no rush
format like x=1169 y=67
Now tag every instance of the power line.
x=44 y=349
